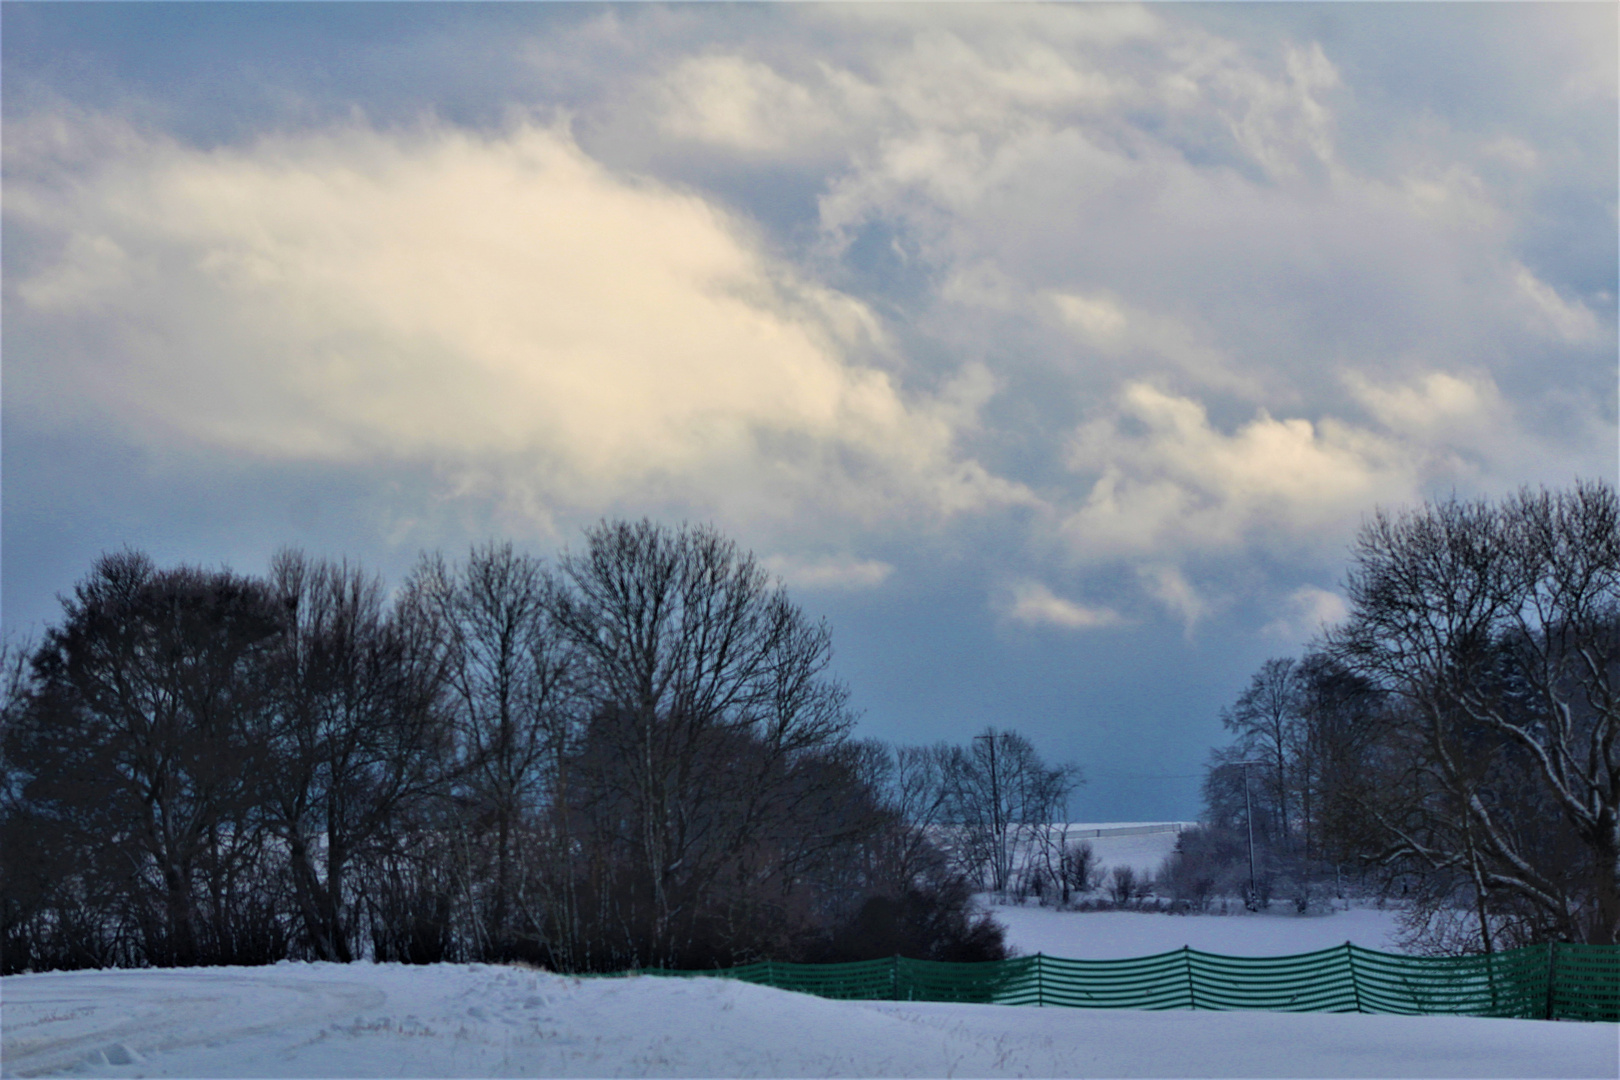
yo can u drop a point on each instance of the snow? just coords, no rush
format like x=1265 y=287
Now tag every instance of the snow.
x=306 y=1020
x=1117 y=935
x=1142 y=852
x=365 y=1020
x=1114 y=935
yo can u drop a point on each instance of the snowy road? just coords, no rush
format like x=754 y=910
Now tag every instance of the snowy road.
x=306 y=1020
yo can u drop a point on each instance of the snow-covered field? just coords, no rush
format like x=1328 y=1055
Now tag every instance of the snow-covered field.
x=1142 y=852
x=307 y=1020
x=1114 y=935
x=1110 y=935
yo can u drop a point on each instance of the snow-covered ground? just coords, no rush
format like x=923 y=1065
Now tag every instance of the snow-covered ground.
x=1115 y=935
x=306 y=1020
x=1110 y=935
x=1143 y=852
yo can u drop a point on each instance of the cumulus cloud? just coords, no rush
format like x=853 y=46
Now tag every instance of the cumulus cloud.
x=840 y=573
x=1100 y=318
x=499 y=303
x=1131 y=337
x=1567 y=320
x=1031 y=603
x=1168 y=480
x=1307 y=611
x=743 y=105
x=1170 y=587
x=1436 y=405
x=1175 y=284
x=1144 y=199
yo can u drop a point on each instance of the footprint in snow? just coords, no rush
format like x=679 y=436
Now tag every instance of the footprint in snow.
x=114 y=1054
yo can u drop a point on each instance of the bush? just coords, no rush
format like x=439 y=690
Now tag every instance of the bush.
x=1207 y=863
x=1122 y=884
x=1079 y=867
x=926 y=922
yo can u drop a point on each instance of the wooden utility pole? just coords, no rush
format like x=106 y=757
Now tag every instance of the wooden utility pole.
x=1000 y=853
x=1248 y=815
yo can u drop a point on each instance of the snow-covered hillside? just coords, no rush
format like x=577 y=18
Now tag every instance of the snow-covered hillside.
x=307 y=1020
x=1141 y=845
x=1110 y=935
x=1114 y=935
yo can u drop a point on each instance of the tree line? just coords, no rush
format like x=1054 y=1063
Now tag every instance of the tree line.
x=631 y=756
x=1457 y=735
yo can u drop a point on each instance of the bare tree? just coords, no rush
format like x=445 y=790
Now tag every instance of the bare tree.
x=1325 y=732
x=1002 y=797
x=708 y=688
x=919 y=796
x=358 y=735
x=641 y=759
x=1122 y=884
x=140 y=738
x=510 y=684
x=1266 y=720
x=1496 y=631
x=1078 y=869
x=15 y=689
x=1342 y=717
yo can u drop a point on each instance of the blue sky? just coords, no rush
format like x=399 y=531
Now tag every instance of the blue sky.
x=1052 y=353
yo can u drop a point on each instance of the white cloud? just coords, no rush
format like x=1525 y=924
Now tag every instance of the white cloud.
x=1180 y=198
x=744 y=105
x=1512 y=151
x=1452 y=196
x=1168 y=480
x=1170 y=587
x=1435 y=405
x=498 y=304
x=841 y=573
x=1203 y=291
x=1134 y=337
x=1033 y=604
x=1308 y=611
x=1165 y=484
x=1099 y=317
x=1568 y=320
x=1280 y=121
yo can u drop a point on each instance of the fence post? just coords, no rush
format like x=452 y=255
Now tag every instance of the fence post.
x=1552 y=977
x=1355 y=984
x=1192 y=991
x=1490 y=975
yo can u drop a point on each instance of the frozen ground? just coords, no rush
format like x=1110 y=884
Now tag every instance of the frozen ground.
x=309 y=1020
x=1112 y=935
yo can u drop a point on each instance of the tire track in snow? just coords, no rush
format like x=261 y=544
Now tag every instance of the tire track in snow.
x=120 y=1020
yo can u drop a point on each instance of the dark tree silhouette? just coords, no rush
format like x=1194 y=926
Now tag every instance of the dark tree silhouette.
x=1495 y=630
x=142 y=740
x=356 y=741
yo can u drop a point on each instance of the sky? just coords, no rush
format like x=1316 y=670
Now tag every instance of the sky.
x=1053 y=354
